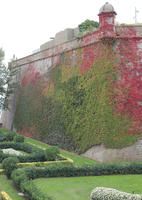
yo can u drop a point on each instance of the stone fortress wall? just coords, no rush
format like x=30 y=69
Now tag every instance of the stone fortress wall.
x=51 y=54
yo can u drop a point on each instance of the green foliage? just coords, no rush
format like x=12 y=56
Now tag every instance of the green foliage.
x=78 y=160
x=7 y=136
x=2 y=137
x=86 y=27
x=87 y=24
x=6 y=185
x=18 y=138
x=68 y=170
x=9 y=164
x=137 y=24
x=23 y=175
x=35 y=153
x=21 y=179
x=10 y=135
x=7 y=86
x=75 y=110
x=51 y=153
x=31 y=192
x=79 y=188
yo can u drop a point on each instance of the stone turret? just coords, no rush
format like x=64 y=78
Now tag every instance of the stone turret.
x=107 y=19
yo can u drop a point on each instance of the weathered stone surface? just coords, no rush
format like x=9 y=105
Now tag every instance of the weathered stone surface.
x=102 y=154
x=106 y=8
x=60 y=38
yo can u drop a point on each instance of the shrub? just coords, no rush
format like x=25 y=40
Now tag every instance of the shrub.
x=102 y=193
x=31 y=192
x=2 y=137
x=51 y=153
x=9 y=164
x=36 y=154
x=10 y=136
x=26 y=174
x=18 y=176
x=18 y=138
x=67 y=170
x=87 y=24
x=21 y=179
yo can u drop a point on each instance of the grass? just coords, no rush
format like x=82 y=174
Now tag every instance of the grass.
x=78 y=160
x=7 y=186
x=79 y=188
x=76 y=188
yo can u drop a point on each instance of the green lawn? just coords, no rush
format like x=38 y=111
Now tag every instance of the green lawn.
x=7 y=186
x=78 y=160
x=75 y=188
x=79 y=188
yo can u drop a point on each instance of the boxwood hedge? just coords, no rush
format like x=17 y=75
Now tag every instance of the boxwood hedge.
x=24 y=175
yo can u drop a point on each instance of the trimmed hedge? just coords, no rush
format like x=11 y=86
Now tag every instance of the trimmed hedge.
x=7 y=136
x=26 y=174
x=4 y=196
x=45 y=163
x=68 y=170
x=2 y=137
x=52 y=152
x=9 y=164
x=36 y=154
x=31 y=192
x=18 y=138
x=102 y=193
x=21 y=178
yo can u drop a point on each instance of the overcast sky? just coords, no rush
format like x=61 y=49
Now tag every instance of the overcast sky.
x=26 y=24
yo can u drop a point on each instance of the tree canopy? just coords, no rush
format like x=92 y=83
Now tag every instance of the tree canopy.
x=6 y=84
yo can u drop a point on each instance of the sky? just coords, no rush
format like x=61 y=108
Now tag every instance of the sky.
x=26 y=24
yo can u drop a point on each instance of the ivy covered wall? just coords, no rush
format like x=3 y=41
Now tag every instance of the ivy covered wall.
x=91 y=95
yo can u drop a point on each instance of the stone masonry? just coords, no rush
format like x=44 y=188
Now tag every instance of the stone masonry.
x=50 y=55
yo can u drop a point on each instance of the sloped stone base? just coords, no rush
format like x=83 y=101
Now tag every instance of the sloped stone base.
x=102 y=154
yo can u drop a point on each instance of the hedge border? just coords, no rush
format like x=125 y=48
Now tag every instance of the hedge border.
x=1 y=171
x=36 y=154
x=38 y=164
x=30 y=173
x=5 y=196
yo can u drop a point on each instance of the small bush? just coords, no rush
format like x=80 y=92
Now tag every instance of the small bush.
x=2 y=137
x=10 y=136
x=51 y=153
x=18 y=176
x=102 y=193
x=9 y=164
x=31 y=191
x=18 y=138
x=35 y=154
x=21 y=178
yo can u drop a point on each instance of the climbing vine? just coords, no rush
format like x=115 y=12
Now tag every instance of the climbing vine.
x=97 y=100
